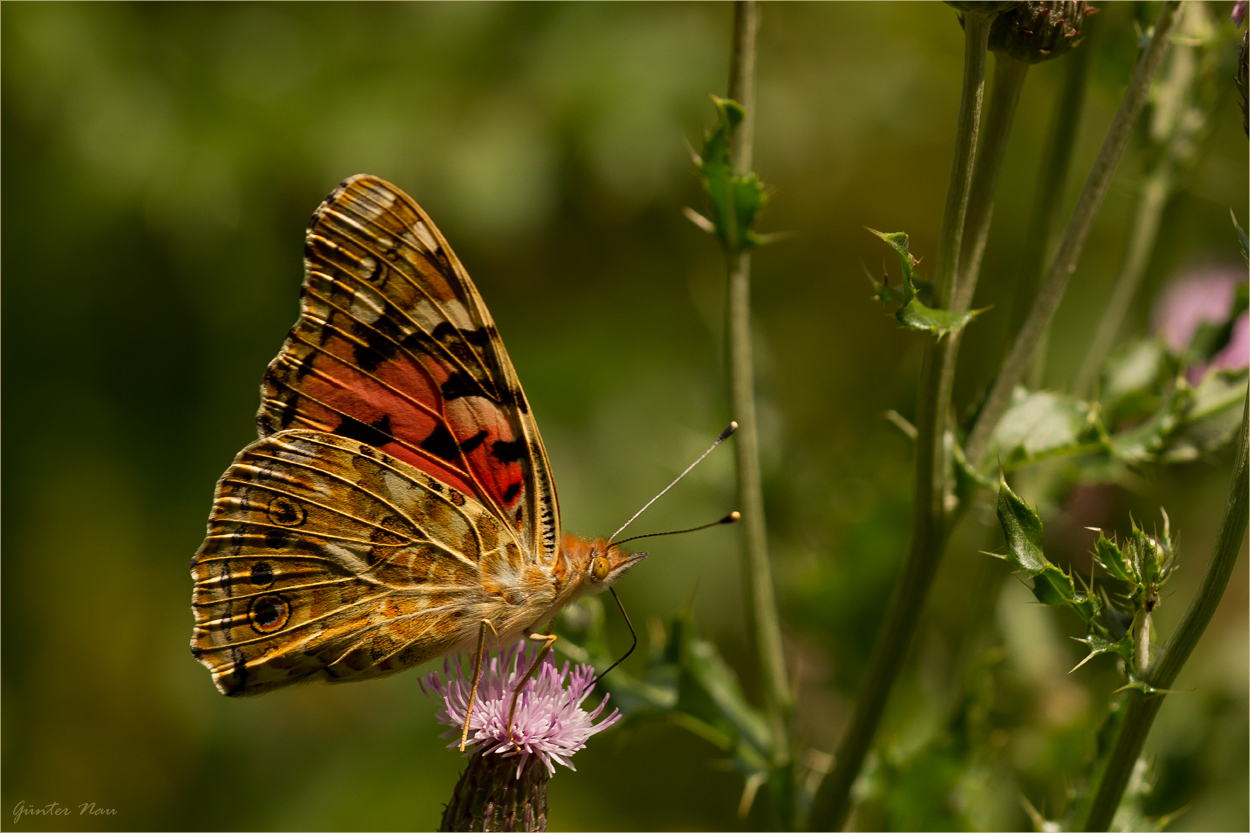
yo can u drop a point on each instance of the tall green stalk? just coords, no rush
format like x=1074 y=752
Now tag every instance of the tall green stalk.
x=1064 y=264
x=761 y=600
x=1172 y=137
x=832 y=803
x=1048 y=203
x=1009 y=76
x=1141 y=710
x=1154 y=197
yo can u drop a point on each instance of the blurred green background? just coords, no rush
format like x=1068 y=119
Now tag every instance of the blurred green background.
x=159 y=165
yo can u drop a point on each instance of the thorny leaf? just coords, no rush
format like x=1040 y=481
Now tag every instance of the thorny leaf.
x=735 y=198
x=912 y=313
x=1023 y=530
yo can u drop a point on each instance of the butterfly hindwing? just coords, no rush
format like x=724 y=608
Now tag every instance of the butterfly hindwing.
x=395 y=349
x=328 y=558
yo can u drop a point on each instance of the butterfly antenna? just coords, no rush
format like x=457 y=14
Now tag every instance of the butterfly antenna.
x=724 y=435
x=732 y=517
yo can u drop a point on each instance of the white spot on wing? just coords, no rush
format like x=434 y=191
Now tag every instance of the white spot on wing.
x=376 y=201
x=427 y=239
x=429 y=315
x=367 y=305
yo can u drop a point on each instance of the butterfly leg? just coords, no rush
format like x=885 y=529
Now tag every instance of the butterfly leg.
x=477 y=676
x=548 y=639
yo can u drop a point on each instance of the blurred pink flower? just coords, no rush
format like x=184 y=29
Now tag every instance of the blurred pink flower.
x=1201 y=296
x=1236 y=354
x=1204 y=296
x=1238 y=16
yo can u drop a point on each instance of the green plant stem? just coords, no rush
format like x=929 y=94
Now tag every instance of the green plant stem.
x=1145 y=229
x=1172 y=137
x=1141 y=709
x=761 y=600
x=832 y=803
x=950 y=238
x=1009 y=75
x=1064 y=264
x=1048 y=204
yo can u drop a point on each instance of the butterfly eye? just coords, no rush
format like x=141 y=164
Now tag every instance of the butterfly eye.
x=599 y=568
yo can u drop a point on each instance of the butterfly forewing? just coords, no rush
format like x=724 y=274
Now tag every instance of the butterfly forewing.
x=327 y=558
x=399 y=496
x=395 y=349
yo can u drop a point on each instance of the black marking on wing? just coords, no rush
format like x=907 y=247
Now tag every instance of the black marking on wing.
x=469 y=445
x=377 y=433
x=508 y=451
x=381 y=343
x=442 y=444
x=460 y=384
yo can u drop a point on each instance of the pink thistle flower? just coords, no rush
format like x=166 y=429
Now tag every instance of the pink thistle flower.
x=549 y=724
x=1204 y=296
x=1236 y=354
x=1201 y=297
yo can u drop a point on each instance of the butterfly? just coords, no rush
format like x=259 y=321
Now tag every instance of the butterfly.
x=399 y=504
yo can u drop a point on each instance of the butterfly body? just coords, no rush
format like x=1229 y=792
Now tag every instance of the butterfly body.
x=400 y=495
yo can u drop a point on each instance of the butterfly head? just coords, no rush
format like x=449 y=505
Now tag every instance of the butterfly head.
x=594 y=566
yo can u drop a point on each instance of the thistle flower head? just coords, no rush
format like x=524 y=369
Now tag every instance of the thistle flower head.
x=989 y=8
x=549 y=723
x=1033 y=32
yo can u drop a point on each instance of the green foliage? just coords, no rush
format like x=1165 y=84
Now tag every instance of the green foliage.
x=686 y=682
x=1023 y=529
x=1143 y=563
x=1148 y=414
x=911 y=313
x=1043 y=424
x=735 y=197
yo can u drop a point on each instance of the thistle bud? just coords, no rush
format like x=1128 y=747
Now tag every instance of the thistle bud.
x=1242 y=82
x=988 y=8
x=1033 y=32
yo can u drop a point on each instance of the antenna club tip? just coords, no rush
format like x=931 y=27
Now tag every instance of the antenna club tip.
x=728 y=432
x=732 y=517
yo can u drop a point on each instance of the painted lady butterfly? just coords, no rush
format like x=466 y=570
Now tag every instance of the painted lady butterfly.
x=399 y=503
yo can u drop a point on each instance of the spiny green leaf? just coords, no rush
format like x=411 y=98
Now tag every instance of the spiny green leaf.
x=735 y=197
x=1108 y=554
x=1155 y=556
x=940 y=322
x=913 y=314
x=1099 y=644
x=1023 y=530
